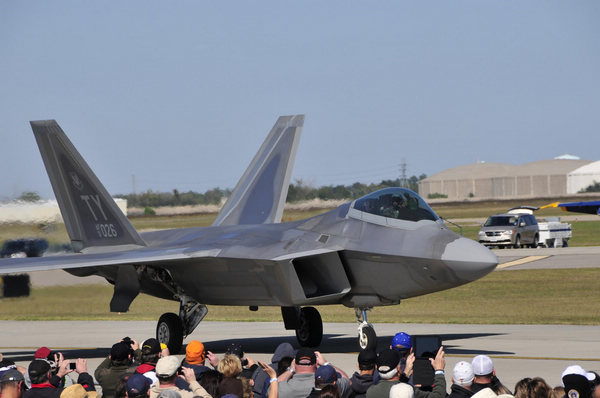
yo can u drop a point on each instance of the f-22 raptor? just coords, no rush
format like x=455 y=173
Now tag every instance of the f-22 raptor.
x=376 y=250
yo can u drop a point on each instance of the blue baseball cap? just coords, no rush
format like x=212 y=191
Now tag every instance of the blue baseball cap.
x=137 y=385
x=325 y=374
x=402 y=342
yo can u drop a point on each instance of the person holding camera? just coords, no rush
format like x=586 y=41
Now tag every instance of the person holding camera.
x=390 y=373
x=438 y=388
x=120 y=361
x=167 y=371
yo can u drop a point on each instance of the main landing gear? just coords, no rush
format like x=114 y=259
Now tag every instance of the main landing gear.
x=367 y=339
x=307 y=323
x=172 y=328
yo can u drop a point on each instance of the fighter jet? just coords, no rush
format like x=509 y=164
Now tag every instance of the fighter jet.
x=376 y=250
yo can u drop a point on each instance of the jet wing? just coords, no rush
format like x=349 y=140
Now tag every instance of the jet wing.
x=136 y=256
x=591 y=207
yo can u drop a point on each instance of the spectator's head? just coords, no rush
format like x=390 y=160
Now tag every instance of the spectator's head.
x=120 y=353
x=6 y=364
x=210 y=381
x=194 y=353
x=485 y=393
x=483 y=369
x=388 y=362
x=47 y=355
x=39 y=371
x=74 y=391
x=150 y=351
x=12 y=380
x=402 y=343
x=138 y=386
x=367 y=360
x=166 y=369
x=577 y=382
x=462 y=374
x=283 y=350
x=44 y=353
x=595 y=385
x=325 y=375
x=522 y=388
x=330 y=391
x=237 y=350
x=538 y=388
x=402 y=390
x=121 y=386
x=558 y=392
x=306 y=360
x=230 y=365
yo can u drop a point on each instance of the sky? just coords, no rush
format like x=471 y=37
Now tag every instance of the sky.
x=167 y=95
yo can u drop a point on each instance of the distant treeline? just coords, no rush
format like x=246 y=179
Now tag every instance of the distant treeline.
x=298 y=191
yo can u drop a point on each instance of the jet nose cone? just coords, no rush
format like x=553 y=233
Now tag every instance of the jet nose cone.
x=468 y=259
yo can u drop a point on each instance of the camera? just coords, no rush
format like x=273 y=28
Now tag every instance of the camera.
x=127 y=340
x=72 y=365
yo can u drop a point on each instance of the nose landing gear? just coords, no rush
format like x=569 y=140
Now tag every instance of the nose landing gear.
x=367 y=339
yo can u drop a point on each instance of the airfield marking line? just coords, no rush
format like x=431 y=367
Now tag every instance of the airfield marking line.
x=520 y=261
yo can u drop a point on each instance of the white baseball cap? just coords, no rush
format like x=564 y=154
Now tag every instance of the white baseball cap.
x=402 y=390
x=167 y=366
x=577 y=370
x=463 y=374
x=482 y=365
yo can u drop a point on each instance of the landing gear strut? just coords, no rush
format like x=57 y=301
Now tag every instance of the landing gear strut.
x=367 y=339
x=172 y=328
x=307 y=323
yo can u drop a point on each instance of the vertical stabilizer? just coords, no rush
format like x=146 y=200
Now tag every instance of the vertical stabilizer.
x=259 y=196
x=91 y=216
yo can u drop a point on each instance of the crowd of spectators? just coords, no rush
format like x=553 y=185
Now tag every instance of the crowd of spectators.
x=149 y=371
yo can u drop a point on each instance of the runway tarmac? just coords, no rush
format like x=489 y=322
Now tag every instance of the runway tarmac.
x=517 y=350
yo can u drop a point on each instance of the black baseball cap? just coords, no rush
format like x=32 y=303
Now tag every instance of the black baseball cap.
x=305 y=356
x=367 y=359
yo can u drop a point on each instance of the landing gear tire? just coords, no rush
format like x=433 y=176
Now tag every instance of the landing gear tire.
x=310 y=332
x=367 y=339
x=169 y=331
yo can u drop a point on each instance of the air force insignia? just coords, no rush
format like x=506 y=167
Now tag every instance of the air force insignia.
x=573 y=394
x=75 y=180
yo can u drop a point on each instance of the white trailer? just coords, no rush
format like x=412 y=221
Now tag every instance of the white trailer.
x=554 y=233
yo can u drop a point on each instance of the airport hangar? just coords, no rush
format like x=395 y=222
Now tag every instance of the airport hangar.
x=561 y=176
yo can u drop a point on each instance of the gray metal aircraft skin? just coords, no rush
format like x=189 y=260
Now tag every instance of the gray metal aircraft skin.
x=377 y=250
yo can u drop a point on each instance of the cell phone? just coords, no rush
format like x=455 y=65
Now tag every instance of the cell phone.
x=425 y=347
x=72 y=365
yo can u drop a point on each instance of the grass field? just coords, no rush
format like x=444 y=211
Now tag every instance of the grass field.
x=511 y=297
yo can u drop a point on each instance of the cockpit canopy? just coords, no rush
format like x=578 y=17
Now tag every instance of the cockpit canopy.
x=392 y=203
